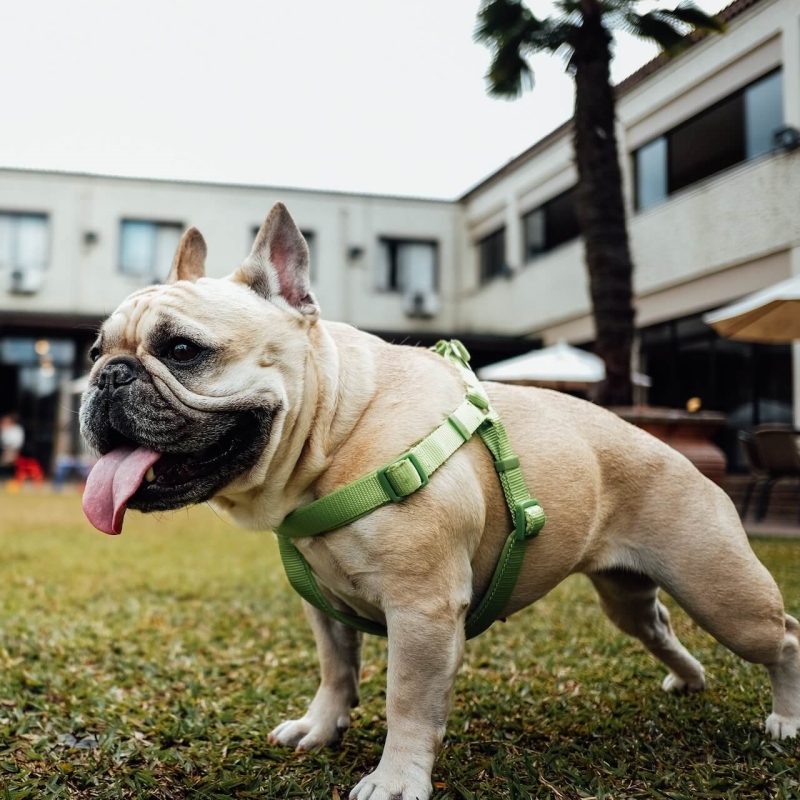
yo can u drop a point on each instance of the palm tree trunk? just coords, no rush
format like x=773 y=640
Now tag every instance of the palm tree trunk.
x=601 y=208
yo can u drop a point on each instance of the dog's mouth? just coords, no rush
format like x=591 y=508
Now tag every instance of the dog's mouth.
x=139 y=477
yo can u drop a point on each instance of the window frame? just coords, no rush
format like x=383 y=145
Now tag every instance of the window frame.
x=543 y=208
x=485 y=277
x=387 y=239
x=156 y=223
x=666 y=135
x=16 y=214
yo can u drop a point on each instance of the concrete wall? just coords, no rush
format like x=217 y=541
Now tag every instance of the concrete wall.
x=86 y=279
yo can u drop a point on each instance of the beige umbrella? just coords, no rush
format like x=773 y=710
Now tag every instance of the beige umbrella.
x=770 y=315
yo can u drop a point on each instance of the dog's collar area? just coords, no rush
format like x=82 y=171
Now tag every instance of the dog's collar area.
x=406 y=475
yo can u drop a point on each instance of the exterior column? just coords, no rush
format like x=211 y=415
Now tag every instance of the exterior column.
x=795 y=262
x=790 y=36
x=513 y=234
x=791 y=110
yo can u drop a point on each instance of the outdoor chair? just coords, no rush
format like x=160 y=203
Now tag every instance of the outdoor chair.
x=758 y=474
x=779 y=456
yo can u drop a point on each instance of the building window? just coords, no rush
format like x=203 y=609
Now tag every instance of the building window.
x=492 y=255
x=24 y=241
x=763 y=114
x=406 y=265
x=651 y=173
x=311 y=241
x=750 y=383
x=734 y=130
x=552 y=224
x=148 y=248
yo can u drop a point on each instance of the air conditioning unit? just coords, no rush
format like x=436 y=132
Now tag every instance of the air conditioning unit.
x=26 y=280
x=421 y=304
x=786 y=139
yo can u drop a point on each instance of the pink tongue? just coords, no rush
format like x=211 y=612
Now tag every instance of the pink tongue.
x=112 y=482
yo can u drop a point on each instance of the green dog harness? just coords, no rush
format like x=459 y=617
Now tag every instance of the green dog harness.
x=407 y=474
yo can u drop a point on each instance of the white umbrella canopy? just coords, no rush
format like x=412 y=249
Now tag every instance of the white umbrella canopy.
x=770 y=315
x=560 y=365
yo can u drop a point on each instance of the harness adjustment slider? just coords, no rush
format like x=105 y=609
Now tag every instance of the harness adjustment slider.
x=529 y=518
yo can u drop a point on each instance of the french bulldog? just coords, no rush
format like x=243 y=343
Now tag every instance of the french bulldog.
x=234 y=391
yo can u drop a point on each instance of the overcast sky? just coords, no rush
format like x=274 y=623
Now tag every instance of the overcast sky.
x=361 y=95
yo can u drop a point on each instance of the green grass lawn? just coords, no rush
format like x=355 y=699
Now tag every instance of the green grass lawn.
x=152 y=665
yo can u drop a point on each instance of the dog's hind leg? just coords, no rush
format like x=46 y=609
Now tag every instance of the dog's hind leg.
x=328 y=716
x=704 y=560
x=631 y=602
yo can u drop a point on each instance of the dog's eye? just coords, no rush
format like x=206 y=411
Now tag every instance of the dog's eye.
x=94 y=354
x=183 y=351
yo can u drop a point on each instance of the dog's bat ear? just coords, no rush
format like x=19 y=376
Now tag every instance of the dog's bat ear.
x=189 y=263
x=277 y=267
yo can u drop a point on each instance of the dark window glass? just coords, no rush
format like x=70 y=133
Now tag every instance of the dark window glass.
x=550 y=225
x=739 y=127
x=561 y=220
x=534 y=232
x=311 y=241
x=492 y=255
x=707 y=144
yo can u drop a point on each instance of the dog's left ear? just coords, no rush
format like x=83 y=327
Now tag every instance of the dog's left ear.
x=189 y=263
x=277 y=267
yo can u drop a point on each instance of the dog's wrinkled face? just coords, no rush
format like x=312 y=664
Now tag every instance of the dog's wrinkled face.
x=189 y=377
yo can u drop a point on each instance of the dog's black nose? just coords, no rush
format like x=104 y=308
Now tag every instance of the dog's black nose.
x=117 y=372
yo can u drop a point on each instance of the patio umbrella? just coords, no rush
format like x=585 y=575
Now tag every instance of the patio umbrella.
x=561 y=366
x=770 y=315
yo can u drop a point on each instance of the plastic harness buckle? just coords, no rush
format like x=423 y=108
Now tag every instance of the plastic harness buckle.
x=529 y=517
x=402 y=477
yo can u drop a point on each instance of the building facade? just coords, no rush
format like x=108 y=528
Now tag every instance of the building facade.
x=713 y=206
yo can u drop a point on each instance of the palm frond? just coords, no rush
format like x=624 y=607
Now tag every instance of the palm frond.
x=499 y=20
x=509 y=74
x=697 y=19
x=513 y=33
x=654 y=27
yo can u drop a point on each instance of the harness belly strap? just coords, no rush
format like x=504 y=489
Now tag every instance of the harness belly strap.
x=406 y=475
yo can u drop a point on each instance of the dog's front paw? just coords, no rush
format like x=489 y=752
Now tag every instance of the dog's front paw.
x=779 y=727
x=311 y=732
x=391 y=783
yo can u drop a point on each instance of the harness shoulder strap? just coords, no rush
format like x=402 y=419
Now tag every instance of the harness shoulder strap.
x=406 y=475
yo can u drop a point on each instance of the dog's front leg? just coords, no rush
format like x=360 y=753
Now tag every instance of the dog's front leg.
x=328 y=716
x=425 y=650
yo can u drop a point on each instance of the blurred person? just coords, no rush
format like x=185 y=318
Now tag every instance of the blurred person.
x=12 y=438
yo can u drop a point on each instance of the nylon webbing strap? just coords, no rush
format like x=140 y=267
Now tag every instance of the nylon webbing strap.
x=404 y=476
x=389 y=484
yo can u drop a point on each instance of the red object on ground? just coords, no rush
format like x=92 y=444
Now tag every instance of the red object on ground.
x=28 y=469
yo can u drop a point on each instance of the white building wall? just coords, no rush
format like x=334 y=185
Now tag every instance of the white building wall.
x=85 y=279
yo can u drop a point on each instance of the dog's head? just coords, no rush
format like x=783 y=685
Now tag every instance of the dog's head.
x=190 y=377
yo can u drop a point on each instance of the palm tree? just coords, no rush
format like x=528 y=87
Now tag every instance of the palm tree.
x=582 y=31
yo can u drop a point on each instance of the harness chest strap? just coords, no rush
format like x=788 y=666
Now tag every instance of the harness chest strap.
x=406 y=475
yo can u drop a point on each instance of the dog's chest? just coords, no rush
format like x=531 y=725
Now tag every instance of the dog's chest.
x=344 y=571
